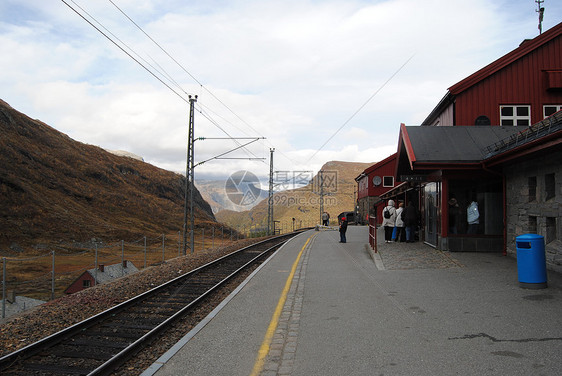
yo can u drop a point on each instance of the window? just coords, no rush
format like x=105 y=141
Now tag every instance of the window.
x=482 y=120
x=532 y=188
x=488 y=197
x=515 y=115
x=550 y=229
x=532 y=225
x=550 y=109
x=388 y=181
x=549 y=186
x=86 y=283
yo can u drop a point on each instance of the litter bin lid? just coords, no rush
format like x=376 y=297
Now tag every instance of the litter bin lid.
x=529 y=237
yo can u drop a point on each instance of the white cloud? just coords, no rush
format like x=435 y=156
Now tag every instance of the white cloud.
x=291 y=71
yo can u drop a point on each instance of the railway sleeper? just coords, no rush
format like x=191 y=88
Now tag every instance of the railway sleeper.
x=99 y=342
x=112 y=333
x=54 y=369
x=161 y=309
x=127 y=325
x=119 y=326
x=82 y=352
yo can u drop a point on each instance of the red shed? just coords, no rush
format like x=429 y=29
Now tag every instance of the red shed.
x=521 y=88
x=372 y=183
x=103 y=274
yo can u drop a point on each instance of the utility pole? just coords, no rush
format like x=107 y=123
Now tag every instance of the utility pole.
x=321 y=195
x=270 y=223
x=189 y=185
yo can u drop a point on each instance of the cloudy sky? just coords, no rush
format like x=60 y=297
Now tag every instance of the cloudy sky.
x=320 y=80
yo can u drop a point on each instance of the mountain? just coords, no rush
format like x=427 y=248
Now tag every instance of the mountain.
x=55 y=189
x=303 y=204
x=215 y=193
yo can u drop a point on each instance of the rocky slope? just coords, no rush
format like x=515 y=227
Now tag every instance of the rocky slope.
x=55 y=189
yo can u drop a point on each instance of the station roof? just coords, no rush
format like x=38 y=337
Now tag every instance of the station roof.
x=429 y=148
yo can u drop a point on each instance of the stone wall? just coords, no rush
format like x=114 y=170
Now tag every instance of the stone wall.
x=530 y=210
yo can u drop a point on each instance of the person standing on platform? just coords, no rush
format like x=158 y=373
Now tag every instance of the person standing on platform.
x=454 y=213
x=400 y=233
x=473 y=217
x=411 y=222
x=343 y=229
x=325 y=219
x=389 y=220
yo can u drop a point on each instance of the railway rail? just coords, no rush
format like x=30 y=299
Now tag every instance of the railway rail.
x=102 y=343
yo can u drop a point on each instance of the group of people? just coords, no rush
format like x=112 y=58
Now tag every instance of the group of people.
x=399 y=223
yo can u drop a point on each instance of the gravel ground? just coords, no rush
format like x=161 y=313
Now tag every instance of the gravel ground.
x=39 y=322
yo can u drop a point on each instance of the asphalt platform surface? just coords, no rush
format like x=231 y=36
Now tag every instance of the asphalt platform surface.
x=320 y=307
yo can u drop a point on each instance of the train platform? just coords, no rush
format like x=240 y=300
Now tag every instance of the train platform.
x=320 y=307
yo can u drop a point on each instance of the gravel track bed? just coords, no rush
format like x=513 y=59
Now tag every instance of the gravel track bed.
x=51 y=317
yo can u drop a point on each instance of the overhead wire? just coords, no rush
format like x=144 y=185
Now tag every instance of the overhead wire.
x=161 y=71
x=360 y=108
x=182 y=67
x=208 y=117
x=119 y=46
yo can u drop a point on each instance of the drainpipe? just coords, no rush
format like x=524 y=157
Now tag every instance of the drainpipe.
x=503 y=203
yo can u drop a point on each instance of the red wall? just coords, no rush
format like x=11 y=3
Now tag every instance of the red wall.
x=386 y=167
x=522 y=82
x=78 y=285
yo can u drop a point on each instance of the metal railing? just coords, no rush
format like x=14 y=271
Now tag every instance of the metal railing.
x=543 y=128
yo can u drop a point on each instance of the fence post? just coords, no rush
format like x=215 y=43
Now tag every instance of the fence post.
x=144 y=252
x=3 y=287
x=96 y=266
x=53 y=279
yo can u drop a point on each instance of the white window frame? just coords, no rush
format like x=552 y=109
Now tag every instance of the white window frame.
x=384 y=181
x=515 y=118
x=558 y=107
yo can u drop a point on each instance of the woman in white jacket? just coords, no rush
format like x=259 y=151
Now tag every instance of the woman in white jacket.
x=389 y=220
x=400 y=233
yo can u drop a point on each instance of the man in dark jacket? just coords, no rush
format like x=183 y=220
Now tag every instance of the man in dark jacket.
x=343 y=229
x=410 y=221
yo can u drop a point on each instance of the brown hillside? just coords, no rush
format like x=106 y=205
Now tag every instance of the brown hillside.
x=55 y=189
x=303 y=204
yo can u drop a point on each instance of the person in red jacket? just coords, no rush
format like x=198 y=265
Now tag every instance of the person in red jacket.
x=343 y=229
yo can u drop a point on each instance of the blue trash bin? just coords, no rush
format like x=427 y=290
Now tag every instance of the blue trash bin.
x=531 y=261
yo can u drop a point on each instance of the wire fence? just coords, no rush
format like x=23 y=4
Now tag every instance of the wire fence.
x=55 y=270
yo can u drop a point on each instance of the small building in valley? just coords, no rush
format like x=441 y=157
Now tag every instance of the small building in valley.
x=101 y=274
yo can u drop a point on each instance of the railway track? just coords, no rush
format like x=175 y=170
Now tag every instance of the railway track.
x=102 y=343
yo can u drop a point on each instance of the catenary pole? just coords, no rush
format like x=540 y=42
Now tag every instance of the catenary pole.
x=270 y=227
x=189 y=179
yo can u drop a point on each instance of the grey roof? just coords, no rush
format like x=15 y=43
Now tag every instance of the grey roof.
x=458 y=144
x=111 y=272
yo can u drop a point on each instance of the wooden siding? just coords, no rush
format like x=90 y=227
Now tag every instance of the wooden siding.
x=78 y=285
x=447 y=117
x=524 y=82
x=365 y=186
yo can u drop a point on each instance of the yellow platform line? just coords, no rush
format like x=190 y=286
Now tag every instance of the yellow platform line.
x=266 y=344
